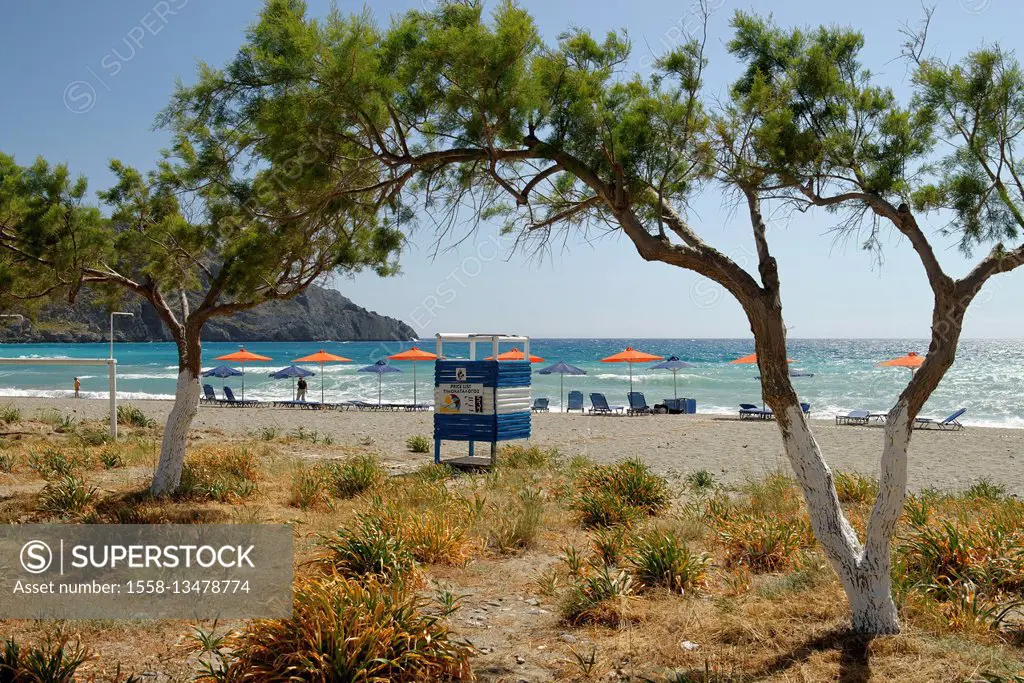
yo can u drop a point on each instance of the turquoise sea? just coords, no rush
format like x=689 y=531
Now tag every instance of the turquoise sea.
x=987 y=379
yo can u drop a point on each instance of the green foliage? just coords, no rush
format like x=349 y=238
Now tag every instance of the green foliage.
x=220 y=473
x=597 y=597
x=344 y=630
x=53 y=462
x=517 y=524
x=517 y=457
x=367 y=551
x=354 y=475
x=67 y=495
x=610 y=495
x=55 y=660
x=662 y=560
x=852 y=487
x=701 y=480
x=128 y=414
x=418 y=444
x=9 y=413
x=310 y=490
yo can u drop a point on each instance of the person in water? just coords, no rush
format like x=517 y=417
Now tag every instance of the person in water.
x=78 y=386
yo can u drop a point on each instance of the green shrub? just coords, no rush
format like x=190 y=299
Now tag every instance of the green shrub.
x=609 y=543
x=68 y=495
x=268 y=433
x=310 y=490
x=764 y=543
x=517 y=525
x=852 y=487
x=220 y=473
x=606 y=495
x=55 y=660
x=418 y=444
x=111 y=458
x=131 y=415
x=367 y=551
x=53 y=462
x=985 y=489
x=662 y=560
x=9 y=413
x=516 y=456
x=597 y=598
x=91 y=436
x=8 y=462
x=701 y=480
x=354 y=475
x=345 y=630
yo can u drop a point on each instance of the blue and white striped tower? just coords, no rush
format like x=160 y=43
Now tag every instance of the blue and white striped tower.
x=481 y=400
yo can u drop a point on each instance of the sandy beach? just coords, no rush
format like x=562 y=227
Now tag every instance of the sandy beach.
x=729 y=448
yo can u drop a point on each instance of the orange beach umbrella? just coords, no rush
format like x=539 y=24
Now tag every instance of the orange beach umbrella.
x=414 y=355
x=322 y=357
x=912 y=360
x=631 y=355
x=242 y=356
x=516 y=354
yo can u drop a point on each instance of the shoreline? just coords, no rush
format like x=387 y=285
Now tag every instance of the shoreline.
x=731 y=449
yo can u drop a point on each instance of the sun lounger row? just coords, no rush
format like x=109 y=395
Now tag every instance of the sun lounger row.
x=751 y=411
x=210 y=398
x=599 y=405
x=862 y=417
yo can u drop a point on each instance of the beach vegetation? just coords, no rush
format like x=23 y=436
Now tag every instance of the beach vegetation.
x=598 y=596
x=517 y=456
x=94 y=436
x=616 y=495
x=418 y=444
x=701 y=480
x=660 y=559
x=518 y=522
x=54 y=461
x=9 y=413
x=132 y=415
x=367 y=551
x=220 y=473
x=67 y=495
x=345 y=630
x=56 y=659
x=353 y=475
x=852 y=487
x=310 y=489
x=111 y=458
x=8 y=462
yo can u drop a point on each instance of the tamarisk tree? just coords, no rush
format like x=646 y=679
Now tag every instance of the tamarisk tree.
x=205 y=235
x=471 y=117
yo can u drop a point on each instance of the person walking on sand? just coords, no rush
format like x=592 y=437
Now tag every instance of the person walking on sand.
x=78 y=386
x=301 y=394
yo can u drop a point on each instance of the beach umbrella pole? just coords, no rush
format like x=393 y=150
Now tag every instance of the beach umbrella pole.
x=321 y=384
x=414 y=384
x=675 y=387
x=561 y=391
x=380 y=377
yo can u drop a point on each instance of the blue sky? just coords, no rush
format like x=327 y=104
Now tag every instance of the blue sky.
x=83 y=81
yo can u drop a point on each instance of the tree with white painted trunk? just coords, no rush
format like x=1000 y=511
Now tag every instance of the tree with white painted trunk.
x=466 y=117
x=205 y=235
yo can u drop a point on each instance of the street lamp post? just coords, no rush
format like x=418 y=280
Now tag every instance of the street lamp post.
x=112 y=373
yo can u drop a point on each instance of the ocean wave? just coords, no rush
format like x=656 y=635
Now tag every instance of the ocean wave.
x=68 y=394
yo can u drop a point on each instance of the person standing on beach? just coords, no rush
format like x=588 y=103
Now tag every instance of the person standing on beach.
x=301 y=395
x=78 y=386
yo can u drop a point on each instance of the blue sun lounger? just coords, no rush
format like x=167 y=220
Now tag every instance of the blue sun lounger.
x=637 y=404
x=209 y=395
x=231 y=400
x=540 y=405
x=951 y=423
x=599 y=405
x=575 y=402
x=749 y=410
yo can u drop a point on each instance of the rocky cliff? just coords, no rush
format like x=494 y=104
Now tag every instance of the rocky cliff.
x=317 y=315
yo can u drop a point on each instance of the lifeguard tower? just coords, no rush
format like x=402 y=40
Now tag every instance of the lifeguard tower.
x=480 y=401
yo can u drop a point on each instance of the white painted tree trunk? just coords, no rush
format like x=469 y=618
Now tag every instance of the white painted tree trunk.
x=172 y=449
x=863 y=570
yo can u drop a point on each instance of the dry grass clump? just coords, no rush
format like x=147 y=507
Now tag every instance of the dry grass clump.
x=314 y=488
x=852 y=487
x=345 y=630
x=9 y=413
x=220 y=473
x=366 y=551
x=620 y=494
x=517 y=456
x=660 y=559
x=600 y=595
x=418 y=444
x=54 y=660
x=517 y=524
x=67 y=496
